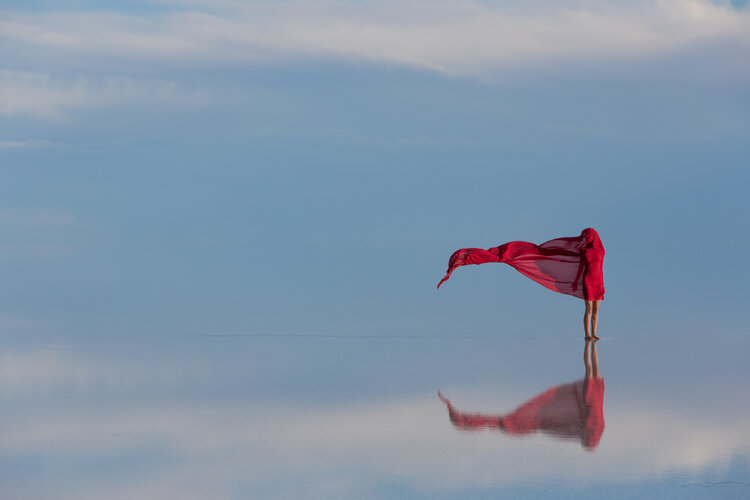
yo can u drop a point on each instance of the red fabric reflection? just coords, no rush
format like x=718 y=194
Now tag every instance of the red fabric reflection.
x=572 y=411
x=571 y=265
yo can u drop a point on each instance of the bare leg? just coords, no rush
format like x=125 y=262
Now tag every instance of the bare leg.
x=587 y=319
x=594 y=317
x=595 y=361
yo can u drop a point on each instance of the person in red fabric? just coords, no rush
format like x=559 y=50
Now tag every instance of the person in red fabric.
x=571 y=265
x=568 y=411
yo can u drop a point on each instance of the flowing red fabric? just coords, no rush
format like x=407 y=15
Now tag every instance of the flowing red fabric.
x=571 y=265
x=569 y=411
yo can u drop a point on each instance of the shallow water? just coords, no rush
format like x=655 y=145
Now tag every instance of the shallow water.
x=358 y=416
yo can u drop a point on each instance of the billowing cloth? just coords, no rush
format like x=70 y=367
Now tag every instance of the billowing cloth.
x=571 y=265
x=568 y=411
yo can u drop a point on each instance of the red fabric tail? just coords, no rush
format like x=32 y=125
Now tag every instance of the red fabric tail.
x=467 y=256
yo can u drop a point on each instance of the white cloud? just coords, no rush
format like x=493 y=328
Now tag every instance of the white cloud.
x=454 y=37
x=28 y=144
x=47 y=96
x=451 y=36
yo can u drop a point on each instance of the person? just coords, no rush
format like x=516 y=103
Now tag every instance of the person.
x=569 y=265
x=569 y=411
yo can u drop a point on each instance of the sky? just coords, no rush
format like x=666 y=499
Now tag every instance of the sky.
x=210 y=165
x=179 y=172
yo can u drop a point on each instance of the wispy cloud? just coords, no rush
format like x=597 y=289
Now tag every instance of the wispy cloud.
x=28 y=144
x=451 y=36
x=41 y=94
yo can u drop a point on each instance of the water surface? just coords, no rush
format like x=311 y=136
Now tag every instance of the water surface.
x=358 y=416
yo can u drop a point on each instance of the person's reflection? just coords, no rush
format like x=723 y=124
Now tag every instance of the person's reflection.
x=570 y=411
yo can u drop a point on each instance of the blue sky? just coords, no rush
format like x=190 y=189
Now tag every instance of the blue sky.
x=237 y=159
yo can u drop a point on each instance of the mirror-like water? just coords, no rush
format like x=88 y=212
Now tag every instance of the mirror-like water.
x=281 y=417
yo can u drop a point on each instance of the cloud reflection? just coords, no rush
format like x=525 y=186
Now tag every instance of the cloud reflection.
x=154 y=427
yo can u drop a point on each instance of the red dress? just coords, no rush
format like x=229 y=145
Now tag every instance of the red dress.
x=571 y=265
